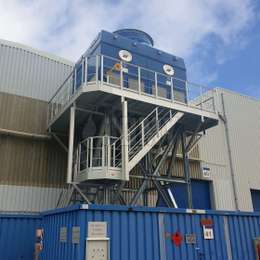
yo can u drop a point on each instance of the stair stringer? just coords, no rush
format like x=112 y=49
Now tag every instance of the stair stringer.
x=154 y=140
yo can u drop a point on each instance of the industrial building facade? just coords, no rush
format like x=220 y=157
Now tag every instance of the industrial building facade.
x=230 y=152
x=33 y=164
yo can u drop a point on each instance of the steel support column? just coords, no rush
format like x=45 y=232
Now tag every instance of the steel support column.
x=124 y=141
x=71 y=144
x=186 y=169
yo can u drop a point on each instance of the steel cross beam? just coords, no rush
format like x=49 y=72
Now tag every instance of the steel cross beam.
x=142 y=187
x=147 y=176
x=193 y=139
x=174 y=152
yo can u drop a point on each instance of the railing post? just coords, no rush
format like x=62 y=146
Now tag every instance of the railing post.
x=121 y=75
x=114 y=154
x=187 y=92
x=91 y=152
x=97 y=67
x=172 y=94
x=157 y=119
x=103 y=152
x=86 y=70
x=139 y=80
x=82 y=70
x=201 y=98
x=214 y=97
x=75 y=79
x=102 y=69
x=156 y=84
x=87 y=153
x=142 y=133
x=108 y=152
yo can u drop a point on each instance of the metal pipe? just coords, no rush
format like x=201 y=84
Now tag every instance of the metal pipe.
x=15 y=133
x=71 y=144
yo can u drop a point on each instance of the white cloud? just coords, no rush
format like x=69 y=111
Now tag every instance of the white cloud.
x=67 y=27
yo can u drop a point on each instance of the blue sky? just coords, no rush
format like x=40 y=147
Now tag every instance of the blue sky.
x=219 y=39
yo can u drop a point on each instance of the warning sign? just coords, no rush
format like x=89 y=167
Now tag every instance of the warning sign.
x=177 y=238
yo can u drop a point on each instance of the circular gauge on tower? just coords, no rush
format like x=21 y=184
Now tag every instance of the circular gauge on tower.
x=125 y=55
x=168 y=69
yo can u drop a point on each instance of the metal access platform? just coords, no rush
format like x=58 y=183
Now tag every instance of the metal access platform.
x=100 y=85
x=141 y=118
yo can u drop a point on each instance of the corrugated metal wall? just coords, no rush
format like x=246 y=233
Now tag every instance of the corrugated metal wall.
x=32 y=170
x=31 y=162
x=145 y=233
x=28 y=163
x=27 y=72
x=17 y=236
x=23 y=114
x=243 y=126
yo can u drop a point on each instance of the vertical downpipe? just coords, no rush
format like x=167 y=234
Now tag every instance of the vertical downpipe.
x=124 y=146
x=233 y=179
x=71 y=144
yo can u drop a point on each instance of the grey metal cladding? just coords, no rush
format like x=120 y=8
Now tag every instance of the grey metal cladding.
x=31 y=73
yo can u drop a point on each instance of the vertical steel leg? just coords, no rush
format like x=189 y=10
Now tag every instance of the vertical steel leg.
x=186 y=169
x=71 y=144
x=125 y=140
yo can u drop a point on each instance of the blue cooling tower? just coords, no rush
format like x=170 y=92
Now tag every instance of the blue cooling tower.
x=140 y=45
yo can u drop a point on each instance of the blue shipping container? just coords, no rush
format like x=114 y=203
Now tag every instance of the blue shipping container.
x=150 y=233
x=17 y=236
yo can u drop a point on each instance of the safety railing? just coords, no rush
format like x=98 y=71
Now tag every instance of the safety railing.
x=98 y=151
x=102 y=69
x=142 y=133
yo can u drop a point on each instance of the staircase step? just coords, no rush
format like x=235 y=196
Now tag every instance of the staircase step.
x=150 y=138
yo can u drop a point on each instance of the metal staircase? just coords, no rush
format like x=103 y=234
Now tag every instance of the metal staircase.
x=144 y=136
x=101 y=157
